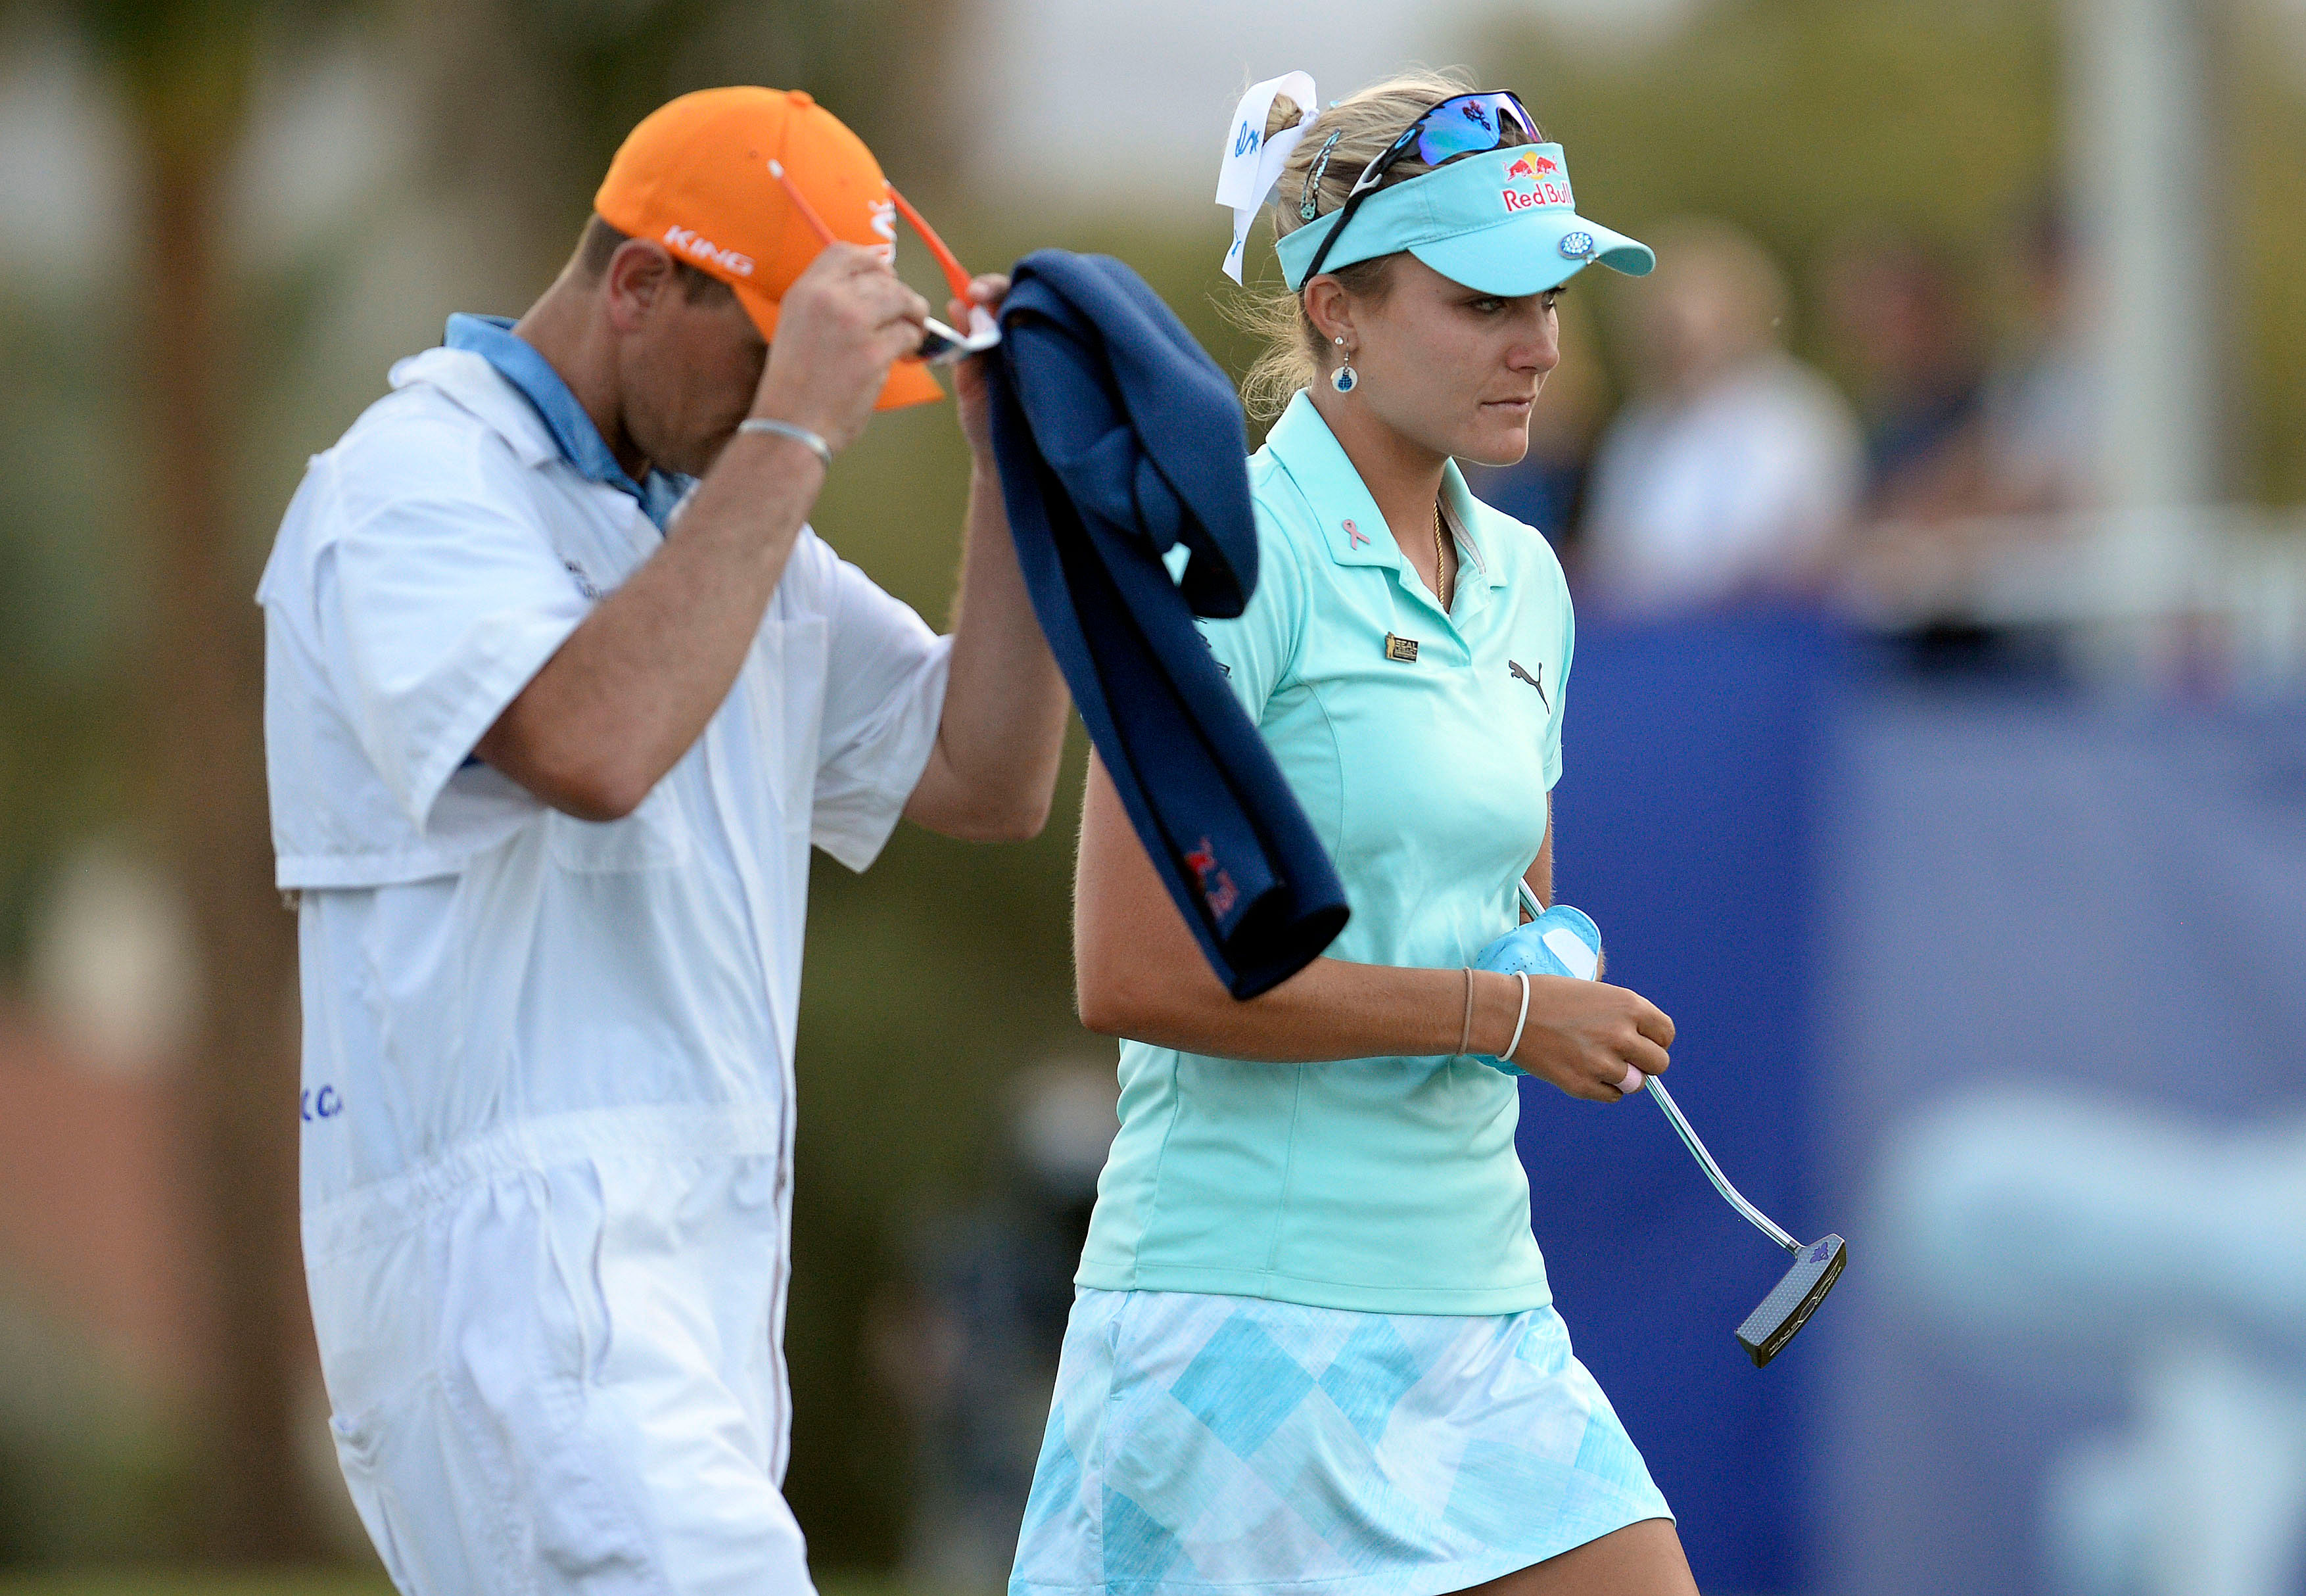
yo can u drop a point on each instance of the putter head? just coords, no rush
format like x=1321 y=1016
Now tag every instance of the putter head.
x=1768 y=1328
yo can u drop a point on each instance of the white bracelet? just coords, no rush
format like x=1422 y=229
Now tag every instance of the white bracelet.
x=1520 y=1019
x=800 y=435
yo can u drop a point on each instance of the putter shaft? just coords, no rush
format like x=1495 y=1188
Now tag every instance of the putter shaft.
x=1753 y=1215
x=1672 y=1111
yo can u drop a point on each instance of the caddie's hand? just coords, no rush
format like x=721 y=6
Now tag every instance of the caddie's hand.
x=1583 y=1035
x=968 y=392
x=840 y=327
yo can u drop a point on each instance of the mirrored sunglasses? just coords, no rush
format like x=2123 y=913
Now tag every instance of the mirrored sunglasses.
x=1462 y=125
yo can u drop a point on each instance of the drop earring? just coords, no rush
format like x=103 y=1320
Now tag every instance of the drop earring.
x=1344 y=379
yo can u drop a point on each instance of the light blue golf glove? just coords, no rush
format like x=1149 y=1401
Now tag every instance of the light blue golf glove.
x=1560 y=942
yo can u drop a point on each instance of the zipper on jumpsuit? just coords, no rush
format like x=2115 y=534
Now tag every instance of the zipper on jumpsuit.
x=748 y=881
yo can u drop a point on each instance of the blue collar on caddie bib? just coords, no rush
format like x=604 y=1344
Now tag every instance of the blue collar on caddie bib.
x=1502 y=222
x=519 y=363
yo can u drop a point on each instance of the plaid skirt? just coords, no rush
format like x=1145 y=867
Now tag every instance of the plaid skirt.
x=1199 y=1441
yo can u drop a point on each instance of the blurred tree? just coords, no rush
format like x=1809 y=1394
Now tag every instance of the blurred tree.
x=63 y=699
x=183 y=69
x=2268 y=192
x=525 y=101
x=1803 y=120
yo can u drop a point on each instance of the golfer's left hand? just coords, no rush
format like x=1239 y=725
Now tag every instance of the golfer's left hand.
x=968 y=377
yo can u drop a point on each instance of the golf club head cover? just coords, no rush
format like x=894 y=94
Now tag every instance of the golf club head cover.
x=1562 y=942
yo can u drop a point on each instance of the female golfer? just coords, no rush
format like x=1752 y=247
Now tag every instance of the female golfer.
x=1313 y=1349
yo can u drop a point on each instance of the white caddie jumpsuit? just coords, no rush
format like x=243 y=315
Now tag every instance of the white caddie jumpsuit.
x=548 y=1089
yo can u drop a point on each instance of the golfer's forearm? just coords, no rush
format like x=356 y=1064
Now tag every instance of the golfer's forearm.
x=1330 y=1009
x=633 y=686
x=994 y=766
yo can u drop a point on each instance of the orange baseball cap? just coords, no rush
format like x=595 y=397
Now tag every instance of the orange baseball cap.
x=695 y=176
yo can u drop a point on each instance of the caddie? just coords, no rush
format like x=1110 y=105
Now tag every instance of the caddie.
x=561 y=687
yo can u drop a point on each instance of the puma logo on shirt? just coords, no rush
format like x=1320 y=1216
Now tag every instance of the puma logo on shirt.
x=1535 y=681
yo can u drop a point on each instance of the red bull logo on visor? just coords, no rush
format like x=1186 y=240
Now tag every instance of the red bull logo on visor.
x=1548 y=185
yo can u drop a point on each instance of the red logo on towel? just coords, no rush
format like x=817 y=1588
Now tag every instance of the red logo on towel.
x=1216 y=887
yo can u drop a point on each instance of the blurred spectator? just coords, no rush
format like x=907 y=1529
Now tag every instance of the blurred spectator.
x=1897 y=308
x=1734 y=466
x=2040 y=417
x=1547 y=487
x=969 y=1341
x=1965 y=469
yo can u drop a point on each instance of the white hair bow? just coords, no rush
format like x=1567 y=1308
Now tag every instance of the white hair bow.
x=1253 y=162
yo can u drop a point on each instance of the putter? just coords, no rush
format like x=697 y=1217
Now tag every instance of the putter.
x=1817 y=1265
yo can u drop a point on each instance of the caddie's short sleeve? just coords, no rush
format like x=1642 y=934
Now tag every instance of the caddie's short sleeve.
x=885 y=675
x=447 y=599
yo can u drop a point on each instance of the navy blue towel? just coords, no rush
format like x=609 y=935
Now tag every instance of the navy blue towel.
x=1118 y=438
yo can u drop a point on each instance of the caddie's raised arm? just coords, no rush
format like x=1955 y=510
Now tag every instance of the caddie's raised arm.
x=560 y=689
x=755 y=391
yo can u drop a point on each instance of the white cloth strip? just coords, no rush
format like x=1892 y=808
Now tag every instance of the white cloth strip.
x=1253 y=162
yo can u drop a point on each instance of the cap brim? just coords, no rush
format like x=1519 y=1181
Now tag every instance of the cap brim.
x=1522 y=254
x=908 y=383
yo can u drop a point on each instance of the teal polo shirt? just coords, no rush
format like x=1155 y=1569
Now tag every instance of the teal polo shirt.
x=1376 y=1184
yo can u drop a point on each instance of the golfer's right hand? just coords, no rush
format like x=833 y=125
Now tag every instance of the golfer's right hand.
x=1581 y=1036
x=840 y=327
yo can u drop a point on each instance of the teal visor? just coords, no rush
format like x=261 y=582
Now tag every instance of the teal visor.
x=1503 y=222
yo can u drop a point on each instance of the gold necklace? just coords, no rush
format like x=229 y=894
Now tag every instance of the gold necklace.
x=1441 y=560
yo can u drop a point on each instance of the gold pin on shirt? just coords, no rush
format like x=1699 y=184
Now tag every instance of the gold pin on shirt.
x=1403 y=649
